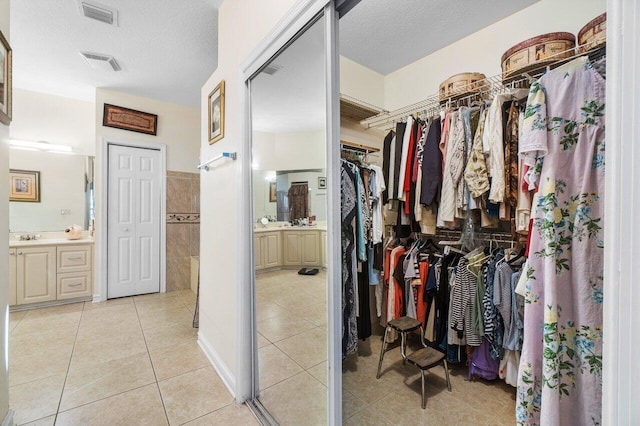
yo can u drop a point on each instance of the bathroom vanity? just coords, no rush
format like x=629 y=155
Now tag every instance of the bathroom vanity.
x=277 y=247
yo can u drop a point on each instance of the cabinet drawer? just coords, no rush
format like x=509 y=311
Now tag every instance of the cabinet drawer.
x=72 y=285
x=74 y=258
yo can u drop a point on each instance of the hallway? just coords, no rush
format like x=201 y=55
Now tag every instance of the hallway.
x=127 y=361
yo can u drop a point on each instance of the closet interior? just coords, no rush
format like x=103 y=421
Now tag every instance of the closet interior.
x=472 y=239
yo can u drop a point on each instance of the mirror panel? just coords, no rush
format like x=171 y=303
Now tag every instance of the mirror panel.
x=66 y=191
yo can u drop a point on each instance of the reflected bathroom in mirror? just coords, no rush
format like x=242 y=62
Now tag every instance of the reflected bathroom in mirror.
x=66 y=191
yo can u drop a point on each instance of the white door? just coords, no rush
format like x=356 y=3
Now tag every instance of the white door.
x=134 y=221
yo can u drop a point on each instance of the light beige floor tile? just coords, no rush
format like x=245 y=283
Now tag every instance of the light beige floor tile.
x=320 y=372
x=232 y=414
x=154 y=296
x=296 y=300
x=162 y=337
x=50 y=323
x=35 y=400
x=55 y=310
x=165 y=317
x=266 y=310
x=307 y=349
x=176 y=360
x=107 y=348
x=44 y=362
x=88 y=306
x=193 y=395
x=274 y=366
x=283 y=326
x=47 y=421
x=262 y=341
x=141 y=406
x=155 y=304
x=85 y=385
x=316 y=314
x=92 y=330
x=300 y=400
x=366 y=418
x=506 y=416
x=28 y=344
x=351 y=404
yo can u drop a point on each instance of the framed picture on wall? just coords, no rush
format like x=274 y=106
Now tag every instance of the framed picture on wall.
x=322 y=183
x=5 y=80
x=272 y=192
x=129 y=119
x=24 y=185
x=216 y=113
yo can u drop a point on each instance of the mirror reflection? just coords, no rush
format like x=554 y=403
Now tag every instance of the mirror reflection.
x=289 y=209
x=65 y=191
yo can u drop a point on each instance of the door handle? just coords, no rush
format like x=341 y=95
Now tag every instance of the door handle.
x=125 y=229
x=75 y=258
x=75 y=285
x=20 y=253
x=12 y=254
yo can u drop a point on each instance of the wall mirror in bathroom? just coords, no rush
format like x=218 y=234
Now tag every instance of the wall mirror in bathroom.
x=289 y=163
x=66 y=191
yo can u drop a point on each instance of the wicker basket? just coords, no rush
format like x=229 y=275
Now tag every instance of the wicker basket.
x=594 y=34
x=460 y=85
x=536 y=52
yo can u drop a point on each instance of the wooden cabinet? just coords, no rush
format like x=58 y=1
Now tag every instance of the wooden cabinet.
x=35 y=275
x=301 y=248
x=12 y=276
x=323 y=248
x=47 y=273
x=74 y=277
x=268 y=250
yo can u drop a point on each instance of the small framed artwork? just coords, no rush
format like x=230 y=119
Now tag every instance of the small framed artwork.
x=272 y=192
x=216 y=113
x=130 y=119
x=24 y=185
x=322 y=183
x=5 y=81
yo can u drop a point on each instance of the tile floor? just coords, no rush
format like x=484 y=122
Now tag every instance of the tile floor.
x=130 y=361
x=292 y=320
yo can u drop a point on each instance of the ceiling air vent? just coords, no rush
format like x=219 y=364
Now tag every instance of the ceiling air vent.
x=101 y=62
x=271 y=69
x=99 y=12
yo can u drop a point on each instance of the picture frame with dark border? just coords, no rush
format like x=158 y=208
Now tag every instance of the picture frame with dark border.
x=6 y=90
x=24 y=186
x=322 y=183
x=129 y=119
x=273 y=197
x=216 y=113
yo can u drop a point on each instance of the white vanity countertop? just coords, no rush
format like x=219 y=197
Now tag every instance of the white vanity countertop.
x=291 y=228
x=49 y=242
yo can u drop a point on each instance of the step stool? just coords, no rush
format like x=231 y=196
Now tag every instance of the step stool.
x=402 y=325
x=425 y=359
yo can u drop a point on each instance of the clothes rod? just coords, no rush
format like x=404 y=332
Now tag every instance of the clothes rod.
x=205 y=165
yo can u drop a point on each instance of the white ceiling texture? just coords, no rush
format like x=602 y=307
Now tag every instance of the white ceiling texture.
x=167 y=49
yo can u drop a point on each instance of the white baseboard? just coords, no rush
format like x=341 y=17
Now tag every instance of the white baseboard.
x=221 y=368
x=8 y=419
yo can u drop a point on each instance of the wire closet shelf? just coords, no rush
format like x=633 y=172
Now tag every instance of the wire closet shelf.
x=483 y=89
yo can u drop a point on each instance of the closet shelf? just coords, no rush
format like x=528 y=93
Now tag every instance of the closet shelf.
x=357 y=110
x=493 y=85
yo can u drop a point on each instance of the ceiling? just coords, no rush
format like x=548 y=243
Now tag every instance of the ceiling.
x=293 y=98
x=387 y=35
x=166 y=50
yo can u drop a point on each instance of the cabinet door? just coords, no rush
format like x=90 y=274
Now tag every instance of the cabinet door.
x=323 y=248
x=291 y=248
x=310 y=249
x=74 y=284
x=36 y=275
x=12 y=277
x=257 y=253
x=271 y=250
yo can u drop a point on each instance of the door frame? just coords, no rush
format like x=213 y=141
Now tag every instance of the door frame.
x=102 y=230
x=296 y=20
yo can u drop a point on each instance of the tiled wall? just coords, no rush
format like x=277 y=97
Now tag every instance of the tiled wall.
x=183 y=227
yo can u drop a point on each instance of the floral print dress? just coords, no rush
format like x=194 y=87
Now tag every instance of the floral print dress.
x=560 y=377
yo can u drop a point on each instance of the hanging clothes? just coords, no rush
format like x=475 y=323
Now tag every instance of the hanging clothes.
x=348 y=200
x=560 y=378
x=298 y=201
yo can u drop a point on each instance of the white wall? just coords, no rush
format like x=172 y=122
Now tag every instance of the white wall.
x=289 y=151
x=178 y=127
x=481 y=51
x=42 y=117
x=62 y=179
x=4 y=242
x=242 y=24
x=361 y=82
